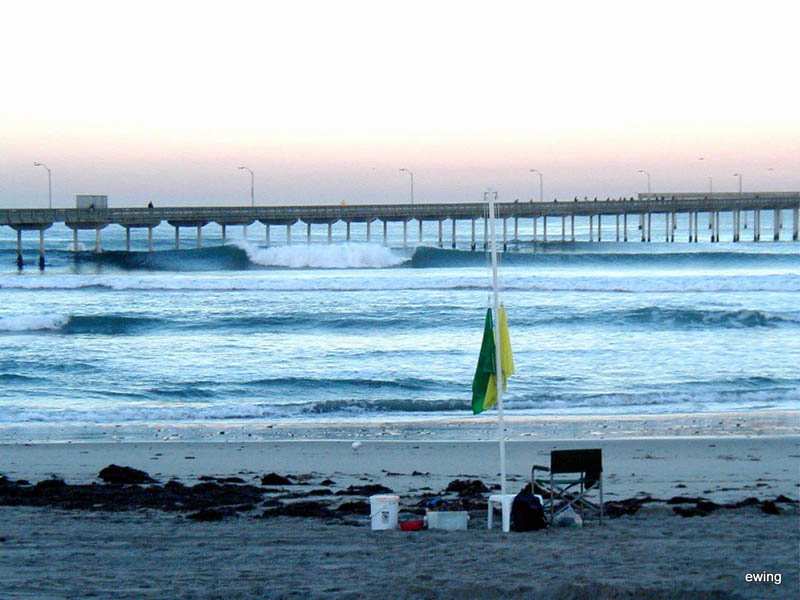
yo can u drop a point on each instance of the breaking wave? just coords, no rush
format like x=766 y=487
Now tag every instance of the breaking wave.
x=333 y=256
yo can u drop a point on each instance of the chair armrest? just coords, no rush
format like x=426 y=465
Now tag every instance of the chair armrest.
x=539 y=468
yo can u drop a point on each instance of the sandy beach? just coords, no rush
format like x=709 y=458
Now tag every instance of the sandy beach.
x=654 y=553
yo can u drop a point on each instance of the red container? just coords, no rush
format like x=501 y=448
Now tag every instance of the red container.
x=414 y=525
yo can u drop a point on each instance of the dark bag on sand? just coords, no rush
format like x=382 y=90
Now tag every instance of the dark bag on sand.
x=527 y=512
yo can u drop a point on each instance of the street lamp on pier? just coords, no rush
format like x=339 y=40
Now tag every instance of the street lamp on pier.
x=404 y=170
x=252 y=184
x=648 y=178
x=541 y=184
x=49 y=183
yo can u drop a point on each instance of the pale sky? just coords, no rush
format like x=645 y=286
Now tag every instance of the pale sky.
x=325 y=101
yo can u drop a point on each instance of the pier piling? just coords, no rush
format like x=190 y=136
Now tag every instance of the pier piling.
x=472 y=235
x=41 y=249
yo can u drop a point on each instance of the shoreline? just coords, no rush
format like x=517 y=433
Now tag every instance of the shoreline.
x=776 y=423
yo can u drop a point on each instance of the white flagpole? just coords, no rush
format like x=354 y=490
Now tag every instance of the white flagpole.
x=492 y=197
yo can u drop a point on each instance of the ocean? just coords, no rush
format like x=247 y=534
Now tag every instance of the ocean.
x=362 y=331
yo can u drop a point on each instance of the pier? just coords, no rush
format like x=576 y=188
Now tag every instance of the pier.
x=618 y=220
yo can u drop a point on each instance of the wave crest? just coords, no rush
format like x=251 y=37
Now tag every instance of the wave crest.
x=332 y=256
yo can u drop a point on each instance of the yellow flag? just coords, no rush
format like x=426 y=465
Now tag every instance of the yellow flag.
x=506 y=360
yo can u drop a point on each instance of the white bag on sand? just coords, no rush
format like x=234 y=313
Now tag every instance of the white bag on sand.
x=568 y=518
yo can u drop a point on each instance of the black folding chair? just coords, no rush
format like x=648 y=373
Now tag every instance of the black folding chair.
x=560 y=493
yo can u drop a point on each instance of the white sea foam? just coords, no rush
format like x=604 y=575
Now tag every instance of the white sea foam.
x=33 y=322
x=331 y=256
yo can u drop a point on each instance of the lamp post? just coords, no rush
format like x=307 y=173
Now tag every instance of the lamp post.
x=648 y=178
x=252 y=184
x=49 y=183
x=404 y=170
x=710 y=179
x=541 y=184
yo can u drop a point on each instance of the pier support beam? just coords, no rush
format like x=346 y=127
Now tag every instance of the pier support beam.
x=266 y=234
x=385 y=233
x=98 y=246
x=516 y=230
x=616 y=238
x=649 y=224
x=330 y=233
x=454 y=234
x=347 y=234
x=74 y=240
x=41 y=249
x=776 y=225
x=674 y=227
x=472 y=236
x=127 y=239
x=591 y=228
x=535 y=219
x=149 y=239
x=225 y=233
x=599 y=228
x=420 y=231
x=199 y=236
x=485 y=233
x=756 y=225
x=624 y=227
x=796 y=224
x=177 y=238
x=572 y=227
x=666 y=227
x=369 y=231
x=696 y=227
x=441 y=243
x=20 y=261
x=735 y=217
x=563 y=228
x=308 y=233
x=288 y=234
x=544 y=228
x=505 y=234
x=405 y=234
x=244 y=232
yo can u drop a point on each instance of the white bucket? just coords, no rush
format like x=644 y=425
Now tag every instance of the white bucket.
x=383 y=511
x=451 y=520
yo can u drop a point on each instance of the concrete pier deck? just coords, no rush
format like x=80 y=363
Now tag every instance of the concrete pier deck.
x=642 y=208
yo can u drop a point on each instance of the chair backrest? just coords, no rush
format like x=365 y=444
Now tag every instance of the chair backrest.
x=576 y=461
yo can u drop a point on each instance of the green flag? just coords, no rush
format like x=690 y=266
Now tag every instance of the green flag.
x=485 y=369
